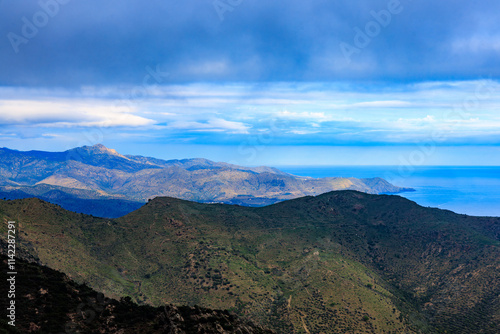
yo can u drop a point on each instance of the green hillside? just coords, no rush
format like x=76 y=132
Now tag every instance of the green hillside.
x=48 y=302
x=342 y=262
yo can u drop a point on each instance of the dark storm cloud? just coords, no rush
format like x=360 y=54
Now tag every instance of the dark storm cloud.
x=76 y=42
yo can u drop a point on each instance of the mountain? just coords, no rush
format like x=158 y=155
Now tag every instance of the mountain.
x=97 y=173
x=47 y=301
x=340 y=262
x=75 y=200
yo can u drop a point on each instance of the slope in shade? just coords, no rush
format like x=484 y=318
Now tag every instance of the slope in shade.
x=47 y=301
x=337 y=263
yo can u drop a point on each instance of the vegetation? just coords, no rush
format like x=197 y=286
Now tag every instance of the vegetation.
x=341 y=262
x=48 y=302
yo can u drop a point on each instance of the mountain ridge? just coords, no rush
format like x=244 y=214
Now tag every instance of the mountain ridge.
x=111 y=175
x=351 y=261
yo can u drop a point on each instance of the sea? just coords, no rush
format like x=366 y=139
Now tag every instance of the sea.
x=468 y=190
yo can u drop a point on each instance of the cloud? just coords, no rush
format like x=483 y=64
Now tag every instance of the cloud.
x=68 y=114
x=301 y=113
x=211 y=125
x=303 y=132
x=114 y=42
x=316 y=116
x=477 y=44
x=382 y=104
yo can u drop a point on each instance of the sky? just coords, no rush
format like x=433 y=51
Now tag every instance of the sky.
x=359 y=82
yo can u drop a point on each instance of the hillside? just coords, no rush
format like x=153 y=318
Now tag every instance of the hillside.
x=97 y=173
x=48 y=302
x=76 y=200
x=341 y=262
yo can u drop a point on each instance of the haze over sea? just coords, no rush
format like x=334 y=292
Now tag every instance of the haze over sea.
x=463 y=189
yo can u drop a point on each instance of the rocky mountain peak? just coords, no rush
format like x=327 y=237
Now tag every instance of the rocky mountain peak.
x=97 y=149
x=100 y=148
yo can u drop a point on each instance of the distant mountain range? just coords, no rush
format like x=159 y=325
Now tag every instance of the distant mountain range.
x=340 y=262
x=100 y=181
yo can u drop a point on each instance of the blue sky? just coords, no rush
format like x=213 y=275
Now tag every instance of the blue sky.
x=255 y=82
